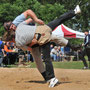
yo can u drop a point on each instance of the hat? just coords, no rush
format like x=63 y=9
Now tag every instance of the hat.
x=55 y=47
x=7 y=25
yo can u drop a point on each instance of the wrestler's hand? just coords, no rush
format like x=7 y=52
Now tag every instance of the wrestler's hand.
x=39 y=21
x=34 y=41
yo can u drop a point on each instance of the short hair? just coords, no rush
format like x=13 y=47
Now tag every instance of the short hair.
x=7 y=25
x=86 y=31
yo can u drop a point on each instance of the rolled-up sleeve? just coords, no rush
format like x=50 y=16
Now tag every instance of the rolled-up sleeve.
x=19 y=19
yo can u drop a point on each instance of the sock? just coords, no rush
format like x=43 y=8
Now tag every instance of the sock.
x=44 y=75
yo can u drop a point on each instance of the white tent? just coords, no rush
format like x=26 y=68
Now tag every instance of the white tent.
x=64 y=31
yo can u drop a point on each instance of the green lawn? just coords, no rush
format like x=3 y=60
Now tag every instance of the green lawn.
x=68 y=65
x=64 y=65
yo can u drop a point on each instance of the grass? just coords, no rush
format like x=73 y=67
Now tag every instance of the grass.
x=63 y=65
x=69 y=65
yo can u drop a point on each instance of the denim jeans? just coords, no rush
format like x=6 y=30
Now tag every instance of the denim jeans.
x=54 y=57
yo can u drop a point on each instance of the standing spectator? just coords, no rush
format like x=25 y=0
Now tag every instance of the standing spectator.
x=86 y=50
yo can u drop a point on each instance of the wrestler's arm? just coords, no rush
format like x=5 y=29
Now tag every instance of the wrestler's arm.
x=29 y=21
x=30 y=13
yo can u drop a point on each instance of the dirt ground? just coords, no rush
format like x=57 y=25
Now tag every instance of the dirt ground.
x=30 y=79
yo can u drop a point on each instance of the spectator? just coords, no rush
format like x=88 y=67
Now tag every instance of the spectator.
x=62 y=50
x=8 y=58
x=59 y=54
x=29 y=56
x=1 y=51
x=54 y=53
x=51 y=47
x=86 y=50
x=21 y=58
x=7 y=47
x=15 y=49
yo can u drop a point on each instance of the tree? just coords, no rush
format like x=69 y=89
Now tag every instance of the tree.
x=81 y=21
x=9 y=10
x=46 y=10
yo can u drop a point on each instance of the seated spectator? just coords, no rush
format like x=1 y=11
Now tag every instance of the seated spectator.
x=21 y=58
x=8 y=55
x=62 y=50
x=59 y=54
x=54 y=53
x=1 y=51
x=7 y=47
x=29 y=57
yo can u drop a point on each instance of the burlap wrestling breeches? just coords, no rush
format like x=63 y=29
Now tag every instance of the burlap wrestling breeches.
x=45 y=32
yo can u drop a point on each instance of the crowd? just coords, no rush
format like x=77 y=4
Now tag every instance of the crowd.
x=10 y=54
x=57 y=53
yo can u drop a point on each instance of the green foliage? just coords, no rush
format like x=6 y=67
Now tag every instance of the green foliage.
x=82 y=21
x=47 y=10
x=7 y=13
x=10 y=9
x=76 y=41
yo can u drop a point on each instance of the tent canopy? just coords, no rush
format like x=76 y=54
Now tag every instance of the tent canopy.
x=64 y=31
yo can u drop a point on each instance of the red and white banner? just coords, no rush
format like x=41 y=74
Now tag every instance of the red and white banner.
x=64 y=31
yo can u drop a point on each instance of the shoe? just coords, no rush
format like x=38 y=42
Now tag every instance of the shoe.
x=85 y=68
x=53 y=82
x=77 y=10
